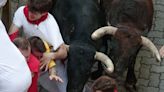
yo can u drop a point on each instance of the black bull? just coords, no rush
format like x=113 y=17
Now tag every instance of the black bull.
x=77 y=20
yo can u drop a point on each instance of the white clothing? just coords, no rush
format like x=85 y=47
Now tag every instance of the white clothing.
x=15 y=75
x=47 y=30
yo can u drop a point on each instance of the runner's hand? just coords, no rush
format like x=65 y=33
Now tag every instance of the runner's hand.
x=56 y=78
x=45 y=60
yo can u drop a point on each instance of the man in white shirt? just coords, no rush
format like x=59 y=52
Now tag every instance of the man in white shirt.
x=15 y=75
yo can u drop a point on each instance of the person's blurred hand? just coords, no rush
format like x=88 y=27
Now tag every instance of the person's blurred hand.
x=56 y=78
x=45 y=60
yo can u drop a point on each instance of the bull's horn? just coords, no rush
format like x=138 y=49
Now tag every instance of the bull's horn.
x=102 y=31
x=146 y=42
x=109 y=67
x=67 y=47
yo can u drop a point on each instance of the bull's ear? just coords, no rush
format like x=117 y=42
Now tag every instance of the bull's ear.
x=149 y=44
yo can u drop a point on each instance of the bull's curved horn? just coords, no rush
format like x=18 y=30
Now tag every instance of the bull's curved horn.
x=146 y=42
x=109 y=67
x=102 y=31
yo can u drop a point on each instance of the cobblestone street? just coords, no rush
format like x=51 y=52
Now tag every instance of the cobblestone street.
x=150 y=73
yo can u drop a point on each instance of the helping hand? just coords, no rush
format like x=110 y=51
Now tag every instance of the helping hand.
x=57 y=78
x=45 y=60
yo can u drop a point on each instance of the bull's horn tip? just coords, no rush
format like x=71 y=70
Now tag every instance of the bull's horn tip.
x=110 y=70
x=94 y=36
x=159 y=59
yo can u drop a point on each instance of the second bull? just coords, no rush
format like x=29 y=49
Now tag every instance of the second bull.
x=129 y=21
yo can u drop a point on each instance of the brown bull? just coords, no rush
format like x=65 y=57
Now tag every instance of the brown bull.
x=129 y=20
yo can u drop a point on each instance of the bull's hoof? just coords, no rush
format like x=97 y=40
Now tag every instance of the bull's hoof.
x=130 y=88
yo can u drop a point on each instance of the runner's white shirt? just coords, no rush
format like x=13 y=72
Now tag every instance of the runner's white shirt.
x=47 y=30
x=15 y=75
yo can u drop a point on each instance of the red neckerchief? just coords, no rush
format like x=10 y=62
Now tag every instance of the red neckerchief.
x=35 y=21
